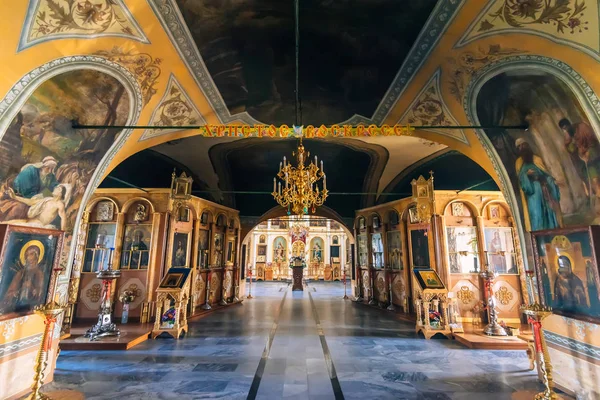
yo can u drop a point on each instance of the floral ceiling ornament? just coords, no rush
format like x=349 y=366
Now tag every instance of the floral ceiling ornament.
x=429 y=109
x=82 y=19
x=462 y=68
x=567 y=21
x=174 y=109
x=145 y=68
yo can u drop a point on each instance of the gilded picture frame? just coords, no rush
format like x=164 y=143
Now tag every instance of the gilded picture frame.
x=566 y=268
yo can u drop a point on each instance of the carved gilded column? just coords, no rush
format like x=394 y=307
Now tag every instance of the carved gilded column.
x=437 y=229
x=81 y=236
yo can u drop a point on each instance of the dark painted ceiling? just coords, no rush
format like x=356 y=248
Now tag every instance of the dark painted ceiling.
x=350 y=51
x=250 y=165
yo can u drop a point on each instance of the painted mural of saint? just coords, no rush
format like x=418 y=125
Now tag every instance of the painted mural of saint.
x=26 y=287
x=569 y=292
x=539 y=192
x=581 y=141
x=32 y=181
x=497 y=259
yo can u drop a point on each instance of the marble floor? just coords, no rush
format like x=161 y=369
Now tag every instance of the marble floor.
x=297 y=345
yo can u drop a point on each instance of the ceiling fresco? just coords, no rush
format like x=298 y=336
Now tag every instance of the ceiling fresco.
x=350 y=52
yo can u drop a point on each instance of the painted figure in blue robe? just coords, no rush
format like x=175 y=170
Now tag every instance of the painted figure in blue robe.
x=540 y=194
x=34 y=180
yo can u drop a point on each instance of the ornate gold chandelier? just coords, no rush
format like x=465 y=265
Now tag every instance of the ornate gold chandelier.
x=300 y=192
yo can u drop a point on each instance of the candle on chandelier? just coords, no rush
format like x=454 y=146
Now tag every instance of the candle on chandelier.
x=280 y=165
x=274 y=184
x=321 y=165
x=316 y=161
x=279 y=185
x=284 y=162
x=286 y=180
x=324 y=182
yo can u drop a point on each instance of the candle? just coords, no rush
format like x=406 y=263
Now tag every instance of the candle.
x=324 y=182
x=286 y=180
x=279 y=186
x=274 y=185
x=110 y=256
x=315 y=160
x=280 y=164
x=321 y=165
x=284 y=162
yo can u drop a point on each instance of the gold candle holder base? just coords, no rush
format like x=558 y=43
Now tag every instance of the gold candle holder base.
x=50 y=313
x=535 y=314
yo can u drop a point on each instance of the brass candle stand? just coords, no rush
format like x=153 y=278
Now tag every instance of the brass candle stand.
x=493 y=328
x=535 y=314
x=391 y=306
x=207 y=305
x=50 y=313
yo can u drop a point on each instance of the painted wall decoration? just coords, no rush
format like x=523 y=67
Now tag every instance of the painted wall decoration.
x=317 y=247
x=419 y=248
x=45 y=165
x=279 y=249
x=180 y=250
x=203 y=248
x=217 y=249
x=28 y=257
x=555 y=165
x=499 y=244
x=377 y=250
x=82 y=19
x=429 y=108
x=567 y=271
x=463 y=67
x=136 y=247
x=462 y=249
x=567 y=21
x=394 y=245
x=175 y=109
x=362 y=250
x=144 y=67
x=100 y=238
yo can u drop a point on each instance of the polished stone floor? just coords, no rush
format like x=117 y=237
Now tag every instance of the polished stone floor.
x=297 y=345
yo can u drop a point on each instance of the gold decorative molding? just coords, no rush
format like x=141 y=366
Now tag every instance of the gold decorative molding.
x=503 y=295
x=174 y=109
x=48 y=20
x=465 y=295
x=429 y=109
x=573 y=22
x=463 y=67
x=143 y=66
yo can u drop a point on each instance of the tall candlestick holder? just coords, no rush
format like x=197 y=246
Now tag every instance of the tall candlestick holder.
x=50 y=313
x=535 y=314
x=493 y=328
x=105 y=326
x=344 y=279
x=391 y=306
x=249 y=284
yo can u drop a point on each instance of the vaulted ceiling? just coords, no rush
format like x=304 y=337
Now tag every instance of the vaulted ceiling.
x=191 y=62
x=352 y=57
x=350 y=51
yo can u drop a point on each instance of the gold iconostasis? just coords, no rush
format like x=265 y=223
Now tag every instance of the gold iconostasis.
x=151 y=232
x=322 y=243
x=458 y=235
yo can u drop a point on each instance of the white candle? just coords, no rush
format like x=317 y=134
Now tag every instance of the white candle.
x=324 y=182
x=274 y=184
x=279 y=184
x=280 y=164
x=284 y=162
x=286 y=180
x=315 y=160
x=321 y=165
